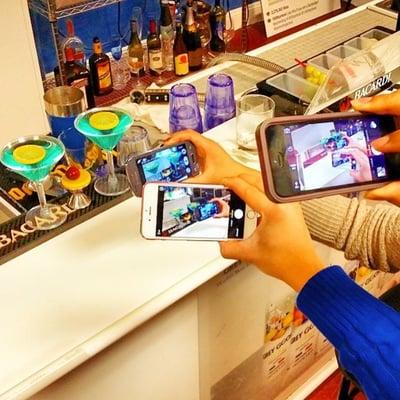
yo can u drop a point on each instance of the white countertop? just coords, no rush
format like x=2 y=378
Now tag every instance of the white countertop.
x=72 y=296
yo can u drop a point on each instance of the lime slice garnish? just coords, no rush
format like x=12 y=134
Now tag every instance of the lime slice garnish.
x=104 y=120
x=29 y=154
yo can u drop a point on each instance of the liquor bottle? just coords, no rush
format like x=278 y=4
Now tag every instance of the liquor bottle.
x=181 y=57
x=156 y=62
x=167 y=35
x=100 y=70
x=191 y=38
x=217 y=22
x=75 y=43
x=135 y=52
x=77 y=76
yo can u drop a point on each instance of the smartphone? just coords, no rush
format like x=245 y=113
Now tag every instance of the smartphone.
x=194 y=212
x=164 y=164
x=304 y=157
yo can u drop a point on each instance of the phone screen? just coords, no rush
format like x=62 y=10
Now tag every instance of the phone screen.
x=166 y=165
x=330 y=154
x=199 y=212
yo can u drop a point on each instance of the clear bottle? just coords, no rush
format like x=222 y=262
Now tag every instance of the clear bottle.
x=100 y=70
x=135 y=52
x=192 y=39
x=167 y=35
x=217 y=22
x=154 y=49
x=75 y=43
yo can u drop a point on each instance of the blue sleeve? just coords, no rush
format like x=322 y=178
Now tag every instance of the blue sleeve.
x=364 y=330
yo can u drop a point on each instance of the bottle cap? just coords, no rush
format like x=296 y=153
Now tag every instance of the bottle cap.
x=29 y=154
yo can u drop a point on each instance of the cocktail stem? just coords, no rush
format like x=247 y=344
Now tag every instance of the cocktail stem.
x=112 y=179
x=44 y=209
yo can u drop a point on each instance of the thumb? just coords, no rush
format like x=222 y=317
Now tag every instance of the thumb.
x=390 y=192
x=388 y=143
x=234 y=249
x=381 y=104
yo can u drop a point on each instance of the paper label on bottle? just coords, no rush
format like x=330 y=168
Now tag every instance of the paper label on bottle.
x=104 y=74
x=182 y=64
x=135 y=65
x=155 y=59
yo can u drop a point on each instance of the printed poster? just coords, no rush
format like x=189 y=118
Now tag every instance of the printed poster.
x=282 y=15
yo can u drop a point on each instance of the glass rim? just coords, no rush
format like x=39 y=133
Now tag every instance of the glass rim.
x=28 y=138
x=260 y=96
x=99 y=132
x=178 y=86
x=228 y=80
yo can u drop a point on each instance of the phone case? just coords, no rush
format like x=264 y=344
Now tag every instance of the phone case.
x=133 y=174
x=266 y=169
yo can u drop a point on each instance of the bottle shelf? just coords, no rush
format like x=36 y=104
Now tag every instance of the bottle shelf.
x=49 y=10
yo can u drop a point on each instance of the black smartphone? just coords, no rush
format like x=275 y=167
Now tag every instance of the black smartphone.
x=305 y=157
x=164 y=164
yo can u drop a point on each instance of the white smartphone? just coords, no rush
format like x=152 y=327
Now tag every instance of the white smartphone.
x=182 y=211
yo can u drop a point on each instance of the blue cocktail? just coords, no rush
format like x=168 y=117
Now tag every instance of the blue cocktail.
x=33 y=157
x=105 y=127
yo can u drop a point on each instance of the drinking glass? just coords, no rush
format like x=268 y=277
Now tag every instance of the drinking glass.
x=135 y=141
x=252 y=110
x=184 y=111
x=34 y=157
x=204 y=28
x=119 y=67
x=220 y=100
x=229 y=31
x=105 y=127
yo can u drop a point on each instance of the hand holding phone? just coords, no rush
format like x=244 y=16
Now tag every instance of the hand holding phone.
x=194 y=212
x=172 y=163
x=304 y=157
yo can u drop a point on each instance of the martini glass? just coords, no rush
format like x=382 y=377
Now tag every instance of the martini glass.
x=105 y=127
x=34 y=157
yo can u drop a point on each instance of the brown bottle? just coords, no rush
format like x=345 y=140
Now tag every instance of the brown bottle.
x=191 y=38
x=100 y=70
x=156 y=62
x=181 y=57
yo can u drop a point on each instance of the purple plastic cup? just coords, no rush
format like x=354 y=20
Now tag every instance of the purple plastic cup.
x=184 y=111
x=220 y=100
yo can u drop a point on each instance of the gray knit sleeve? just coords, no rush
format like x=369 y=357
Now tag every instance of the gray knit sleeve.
x=368 y=233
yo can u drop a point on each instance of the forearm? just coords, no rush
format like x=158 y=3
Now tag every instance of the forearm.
x=368 y=233
x=364 y=330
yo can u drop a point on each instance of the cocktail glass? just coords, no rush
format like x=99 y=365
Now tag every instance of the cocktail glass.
x=105 y=127
x=33 y=157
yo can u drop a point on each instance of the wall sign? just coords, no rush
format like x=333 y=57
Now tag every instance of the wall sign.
x=281 y=15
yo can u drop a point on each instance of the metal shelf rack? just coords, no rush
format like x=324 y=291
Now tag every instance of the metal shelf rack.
x=49 y=10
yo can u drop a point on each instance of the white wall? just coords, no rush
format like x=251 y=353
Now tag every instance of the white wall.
x=21 y=106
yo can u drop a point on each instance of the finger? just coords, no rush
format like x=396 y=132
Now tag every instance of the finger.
x=249 y=194
x=388 y=143
x=197 y=179
x=381 y=104
x=359 y=156
x=254 y=180
x=234 y=249
x=390 y=192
